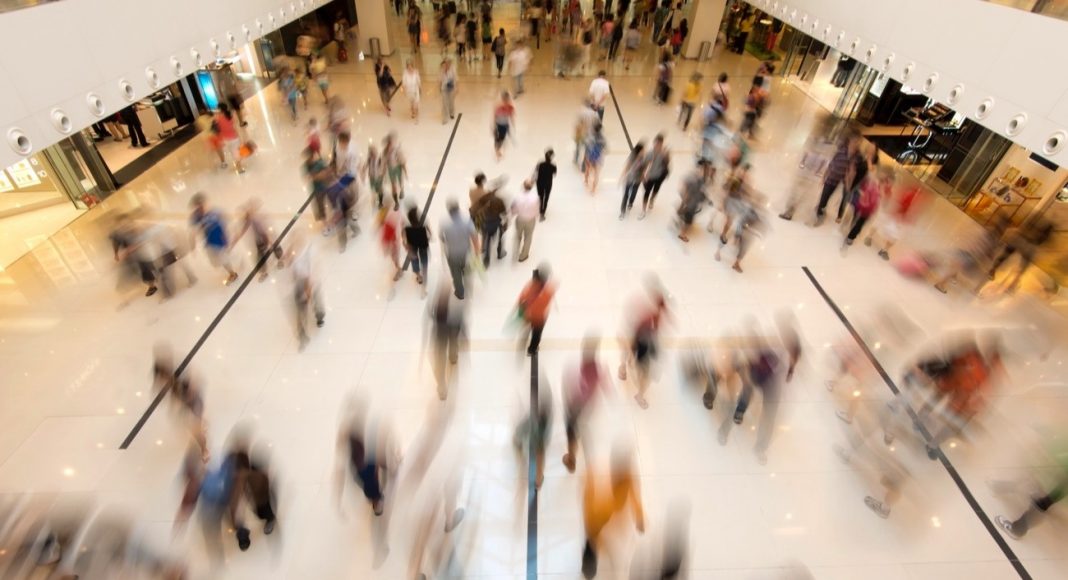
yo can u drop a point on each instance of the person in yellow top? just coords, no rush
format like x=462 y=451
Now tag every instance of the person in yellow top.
x=602 y=500
x=690 y=95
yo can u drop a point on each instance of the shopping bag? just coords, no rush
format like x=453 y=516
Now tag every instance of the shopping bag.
x=246 y=149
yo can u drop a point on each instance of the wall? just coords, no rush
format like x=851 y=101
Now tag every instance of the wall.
x=704 y=25
x=74 y=59
x=1001 y=67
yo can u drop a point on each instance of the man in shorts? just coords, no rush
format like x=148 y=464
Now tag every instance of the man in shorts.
x=211 y=226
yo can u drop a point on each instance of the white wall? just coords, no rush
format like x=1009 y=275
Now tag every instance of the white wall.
x=54 y=56
x=704 y=25
x=976 y=55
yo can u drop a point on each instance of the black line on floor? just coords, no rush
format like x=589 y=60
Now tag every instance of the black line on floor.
x=532 y=477
x=991 y=528
x=611 y=91
x=150 y=158
x=262 y=263
x=434 y=185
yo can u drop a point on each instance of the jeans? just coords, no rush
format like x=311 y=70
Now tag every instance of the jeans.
x=652 y=187
x=685 y=114
x=500 y=64
x=458 y=269
x=524 y=233
x=420 y=258
x=630 y=191
x=545 y=189
x=829 y=185
x=600 y=112
x=858 y=224
x=492 y=229
x=448 y=104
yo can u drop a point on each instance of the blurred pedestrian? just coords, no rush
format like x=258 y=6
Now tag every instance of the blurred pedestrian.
x=518 y=63
x=503 y=123
x=492 y=215
x=533 y=305
x=413 y=87
x=387 y=85
x=582 y=382
x=657 y=169
x=604 y=497
x=212 y=227
x=253 y=220
x=307 y=288
x=599 y=92
x=446 y=325
x=595 y=146
x=448 y=90
x=525 y=208
x=634 y=170
x=643 y=343
x=396 y=166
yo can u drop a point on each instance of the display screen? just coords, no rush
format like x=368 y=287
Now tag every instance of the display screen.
x=207 y=88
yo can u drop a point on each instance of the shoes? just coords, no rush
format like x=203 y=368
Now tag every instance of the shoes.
x=786 y=216
x=569 y=462
x=268 y=526
x=231 y=278
x=320 y=322
x=867 y=242
x=1006 y=525
x=542 y=218
x=837 y=220
x=641 y=401
x=621 y=216
x=877 y=506
x=151 y=290
x=501 y=255
x=884 y=254
x=641 y=216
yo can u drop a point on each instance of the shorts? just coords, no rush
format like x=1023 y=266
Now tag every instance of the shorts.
x=500 y=133
x=219 y=256
x=394 y=174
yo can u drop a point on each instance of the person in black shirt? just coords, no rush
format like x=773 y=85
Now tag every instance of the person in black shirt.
x=417 y=240
x=543 y=177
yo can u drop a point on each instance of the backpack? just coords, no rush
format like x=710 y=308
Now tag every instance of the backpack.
x=218 y=483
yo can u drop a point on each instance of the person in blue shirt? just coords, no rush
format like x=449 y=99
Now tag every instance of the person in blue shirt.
x=213 y=228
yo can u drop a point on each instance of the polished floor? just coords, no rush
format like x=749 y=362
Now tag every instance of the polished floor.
x=75 y=362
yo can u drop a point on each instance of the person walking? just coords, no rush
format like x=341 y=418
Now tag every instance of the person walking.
x=229 y=141
x=413 y=87
x=618 y=29
x=633 y=173
x=212 y=227
x=374 y=171
x=471 y=30
x=396 y=166
x=582 y=382
x=344 y=193
x=662 y=92
x=605 y=496
x=840 y=166
x=252 y=220
x=632 y=38
x=133 y=126
x=693 y=198
x=446 y=328
x=415 y=26
x=544 y=173
x=599 y=92
x=518 y=63
x=532 y=308
x=500 y=44
x=417 y=242
x=448 y=91
x=459 y=36
x=643 y=343
x=493 y=217
x=387 y=85
x=503 y=122
x=526 y=208
x=458 y=238
x=595 y=146
x=487 y=36
x=657 y=168
x=690 y=95
x=866 y=202
x=307 y=291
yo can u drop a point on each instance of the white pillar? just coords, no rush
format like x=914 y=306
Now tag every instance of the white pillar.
x=373 y=17
x=704 y=25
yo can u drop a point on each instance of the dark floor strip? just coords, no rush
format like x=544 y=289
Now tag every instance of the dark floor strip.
x=611 y=91
x=532 y=488
x=262 y=263
x=154 y=155
x=437 y=177
x=953 y=474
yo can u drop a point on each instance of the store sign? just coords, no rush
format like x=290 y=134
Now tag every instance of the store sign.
x=23 y=174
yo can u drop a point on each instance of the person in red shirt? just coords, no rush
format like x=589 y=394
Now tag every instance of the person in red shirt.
x=503 y=122
x=533 y=306
x=900 y=208
x=581 y=384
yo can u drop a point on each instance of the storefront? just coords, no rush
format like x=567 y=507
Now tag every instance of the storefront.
x=46 y=191
x=157 y=117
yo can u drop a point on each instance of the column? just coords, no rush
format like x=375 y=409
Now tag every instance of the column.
x=704 y=25
x=373 y=21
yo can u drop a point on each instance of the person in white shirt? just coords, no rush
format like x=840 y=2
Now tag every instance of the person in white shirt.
x=448 y=91
x=307 y=295
x=526 y=208
x=347 y=166
x=413 y=85
x=599 y=92
x=518 y=63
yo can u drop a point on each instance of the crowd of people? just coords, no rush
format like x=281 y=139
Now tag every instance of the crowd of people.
x=945 y=389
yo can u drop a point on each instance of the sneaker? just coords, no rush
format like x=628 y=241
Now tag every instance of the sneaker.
x=320 y=322
x=1007 y=527
x=231 y=278
x=884 y=254
x=151 y=290
x=641 y=216
x=621 y=216
x=786 y=216
x=641 y=401
x=877 y=506
x=268 y=527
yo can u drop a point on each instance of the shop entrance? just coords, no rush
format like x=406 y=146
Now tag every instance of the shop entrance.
x=132 y=132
